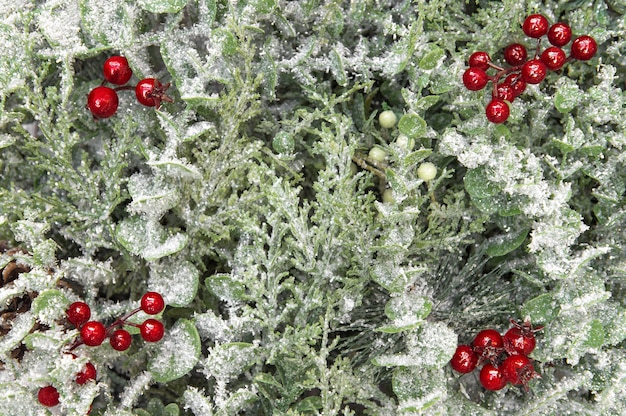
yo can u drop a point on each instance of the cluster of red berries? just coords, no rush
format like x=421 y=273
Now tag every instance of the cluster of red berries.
x=523 y=70
x=93 y=333
x=501 y=359
x=103 y=101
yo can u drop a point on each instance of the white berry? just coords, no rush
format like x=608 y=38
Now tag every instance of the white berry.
x=377 y=154
x=427 y=171
x=387 y=119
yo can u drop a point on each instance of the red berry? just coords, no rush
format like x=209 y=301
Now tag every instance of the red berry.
x=152 y=303
x=48 y=396
x=93 y=333
x=515 y=54
x=152 y=330
x=120 y=340
x=475 y=79
x=102 y=102
x=88 y=373
x=78 y=313
x=559 y=34
x=497 y=112
x=492 y=378
x=488 y=342
x=553 y=57
x=515 y=342
x=505 y=92
x=480 y=60
x=464 y=359
x=535 y=26
x=534 y=71
x=116 y=70
x=518 y=370
x=517 y=84
x=150 y=92
x=584 y=48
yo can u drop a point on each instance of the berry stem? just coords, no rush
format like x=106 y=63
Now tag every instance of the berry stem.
x=125 y=87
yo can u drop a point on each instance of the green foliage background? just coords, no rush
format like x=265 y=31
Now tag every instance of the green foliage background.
x=251 y=203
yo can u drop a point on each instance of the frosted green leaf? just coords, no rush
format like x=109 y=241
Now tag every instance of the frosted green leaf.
x=178 y=352
x=426 y=102
x=421 y=351
x=199 y=404
x=60 y=24
x=431 y=59
x=6 y=140
x=49 y=305
x=568 y=96
x=501 y=245
x=177 y=281
x=265 y=378
x=225 y=287
x=595 y=335
x=109 y=22
x=412 y=126
x=416 y=157
x=29 y=232
x=264 y=6
x=229 y=360
x=11 y=70
x=21 y=326
x=41 y=341
x=408 y=306
x=311 y=404
x=541 y=309
x=337 y=68
x=151 y=195
x=396 y=182
x=148 y=239
x=418 y=389
x=482 y=192
x=163 y=6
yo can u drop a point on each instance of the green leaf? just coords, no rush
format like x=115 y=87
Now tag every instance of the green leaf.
x=595 y=336
x=309 y=404
x=225 y=287
x=162 y=6
x=412 y=125
x=567 y=97
x=147 y=238
x=49 y=305
x=178 y=353
x=177 y=281
x=430 y=60
x=416 y=157
x=337 y=67
x=266 y=378
x=504 y=244
x=541 y=309
x=482 y=192
x=426 y=102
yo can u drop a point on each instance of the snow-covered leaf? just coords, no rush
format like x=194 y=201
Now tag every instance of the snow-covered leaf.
x=178 y=353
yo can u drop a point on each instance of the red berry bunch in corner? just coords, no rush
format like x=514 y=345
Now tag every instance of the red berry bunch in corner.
x=500 y=359
x=103 y=101
x=93 y=333
x=510 y=82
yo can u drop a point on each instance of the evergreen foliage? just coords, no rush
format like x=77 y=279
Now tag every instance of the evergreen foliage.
x=303 y=276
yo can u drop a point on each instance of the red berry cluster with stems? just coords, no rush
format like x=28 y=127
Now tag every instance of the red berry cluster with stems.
x=501 y=359
x=510 y=82
x=103 y=101
x=93 y=333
